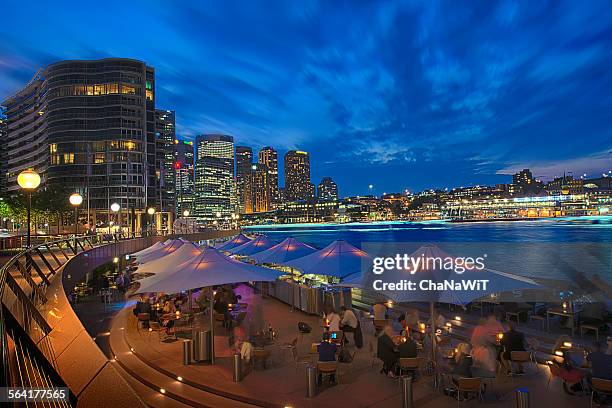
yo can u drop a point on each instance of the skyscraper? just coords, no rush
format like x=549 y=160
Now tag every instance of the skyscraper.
x=184 y=176
x=244 y=161
x=257 y=190
x=297 y=176
x=165 y=134
x=90 y=127
x=327 y=189
x=269 y=158
x=214 y=182
x=3 y=156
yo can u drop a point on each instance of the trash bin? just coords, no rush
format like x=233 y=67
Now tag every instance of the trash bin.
x=522 y=398
x=201 y=345
x=311 y=372
x=407 y=399
x=237 y=367
x=187 y=351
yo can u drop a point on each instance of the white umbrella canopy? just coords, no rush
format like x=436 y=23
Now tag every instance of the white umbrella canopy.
x=339 y=259
x=168 y=248
x=287 y=250
x=154 y=247
x=497 y=281
x=184 y=253
x=210 y=268
x=260 y=243
x=233 y=243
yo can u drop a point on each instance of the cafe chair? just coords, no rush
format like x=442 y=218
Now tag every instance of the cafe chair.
x=327 y=368
x=411 y=365
x=298 y=360
x=289 y=346
x=600 y=387
x=156 y=327
x=143 y=320
x=260 y=357
x=468 y=386
x=517 y=357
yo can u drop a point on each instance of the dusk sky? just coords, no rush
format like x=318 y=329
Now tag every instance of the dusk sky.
x=402 y=94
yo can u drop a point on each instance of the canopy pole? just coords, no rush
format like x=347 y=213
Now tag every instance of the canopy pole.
x=212 y=328
x=432 y=319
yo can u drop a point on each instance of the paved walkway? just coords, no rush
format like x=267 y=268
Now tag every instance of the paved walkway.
x=158 y=364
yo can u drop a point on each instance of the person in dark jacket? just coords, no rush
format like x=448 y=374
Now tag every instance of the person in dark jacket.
x=512 y=340
x=408 y=348
x=387 y=351
x=327 y=352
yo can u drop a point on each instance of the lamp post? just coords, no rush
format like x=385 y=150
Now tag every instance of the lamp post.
x=75 y=200
x=115 y=207
x=186 y=213
x=28 y=180
x=151 y=212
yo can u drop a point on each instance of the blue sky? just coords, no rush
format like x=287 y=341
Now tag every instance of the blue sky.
x=403 y=94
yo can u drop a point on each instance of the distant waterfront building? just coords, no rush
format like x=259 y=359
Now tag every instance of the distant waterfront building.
x=328 y=189
x=184 y=176
x=215 y=197
x=257 y=190
x=297 y=176
x=565 y=185
x=165 y=135
x=311 y=210
x=88 y=126
x=244 y=162
x=269 y=158
x=524 y=184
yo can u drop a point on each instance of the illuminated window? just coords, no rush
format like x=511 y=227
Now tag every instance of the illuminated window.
x=68 y=158
x=53 y=148
x=127 y=89
x=112 y=88
x=90 y=89
x=149 y=95
x=55 y=159
x=129 y=145
x=148 y=85
x=99 y=158
x=79 y=89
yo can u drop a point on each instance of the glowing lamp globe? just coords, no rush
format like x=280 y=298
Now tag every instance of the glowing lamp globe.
x=28 y=179
x=151 y=211
x=186 y=213
x=115 y=207
x=76 y=199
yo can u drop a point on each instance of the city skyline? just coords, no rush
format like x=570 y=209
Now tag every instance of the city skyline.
x=407 y=90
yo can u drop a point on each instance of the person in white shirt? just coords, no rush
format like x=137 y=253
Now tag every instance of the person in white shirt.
x=333 y=318
x=349 y=320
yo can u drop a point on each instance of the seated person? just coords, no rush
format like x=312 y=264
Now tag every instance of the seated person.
x=463 y=362
x=408 y=348
x=348 y=322
x=169 y=307
x=513 y=340
x=327 y=352
x=333 y=318
x=387 y=352
x=601 y=362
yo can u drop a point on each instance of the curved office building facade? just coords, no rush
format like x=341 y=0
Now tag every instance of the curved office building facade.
x=90 y=127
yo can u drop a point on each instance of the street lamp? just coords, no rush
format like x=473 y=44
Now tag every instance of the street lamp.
x=186 y=213
x=76 y=199
x=115 y=207
x=151 y=211
x=28 y=180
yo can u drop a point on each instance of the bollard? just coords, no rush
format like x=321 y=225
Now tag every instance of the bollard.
x=201 y=345
x=407 y=398
x=522 y=398
x=311 y=372
x=187 y=351
x=237 y=367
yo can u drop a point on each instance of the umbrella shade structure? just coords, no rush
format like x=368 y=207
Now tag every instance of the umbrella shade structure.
x=168 y=248
x=352 y=281
x=285 y=251
x=210 y=268
x=260 y=243
x=233 y=243
x=184 y=253
x=154 y=247
x=339 y=259
x=434 y=275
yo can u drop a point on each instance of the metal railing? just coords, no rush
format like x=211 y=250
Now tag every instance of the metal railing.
x=27 y=352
